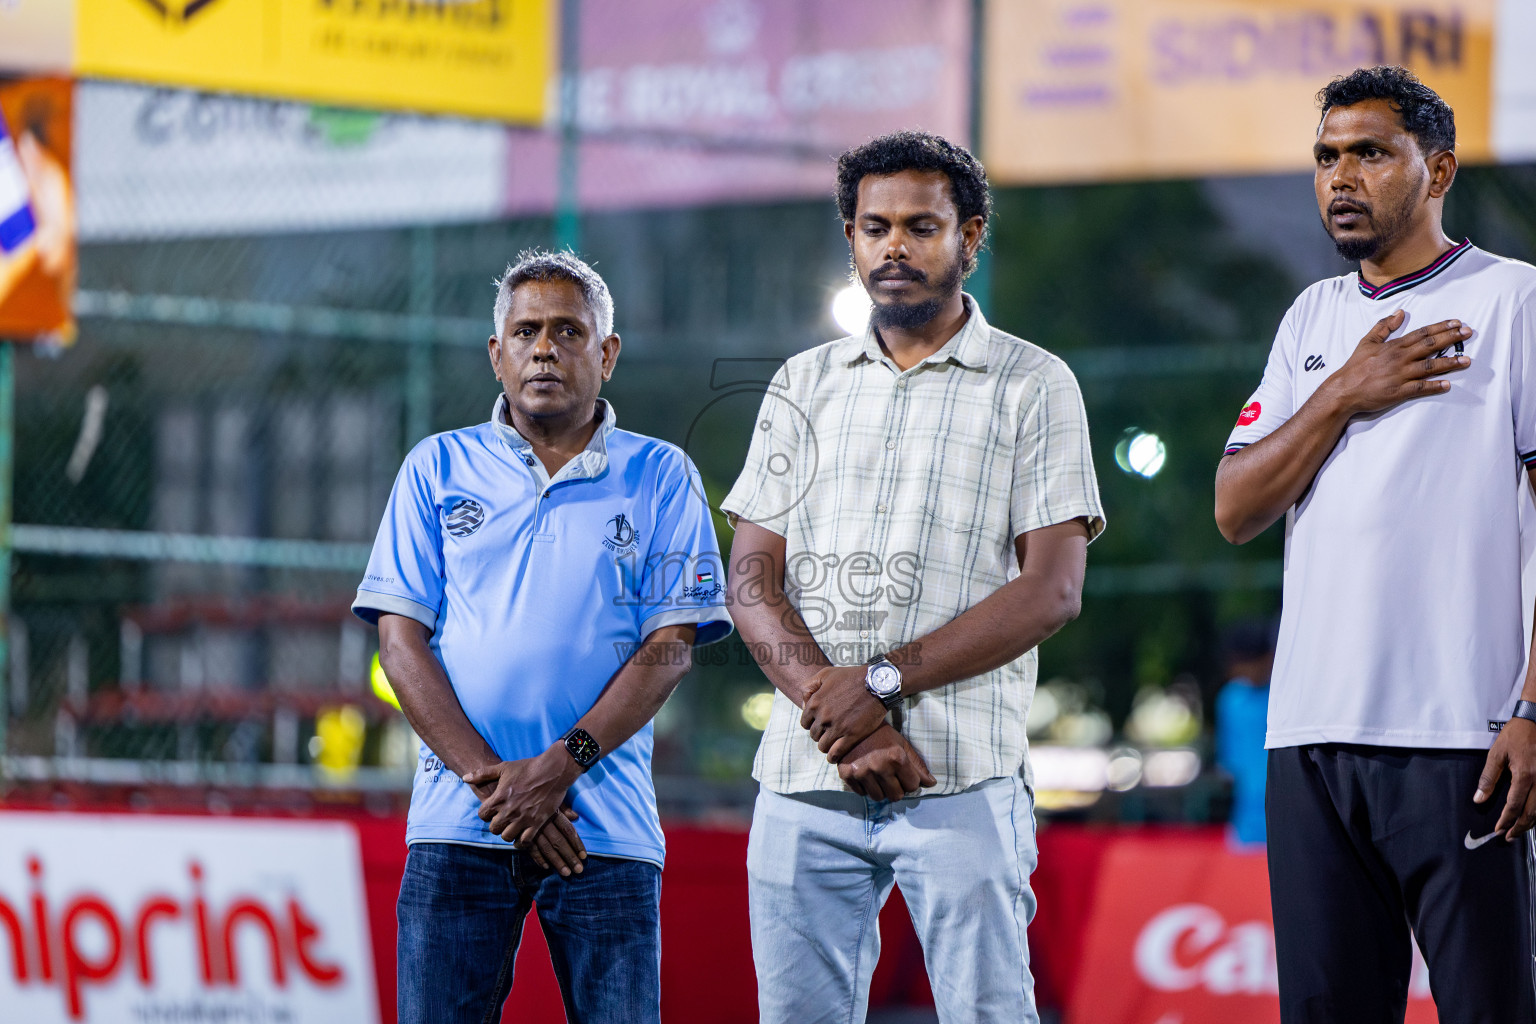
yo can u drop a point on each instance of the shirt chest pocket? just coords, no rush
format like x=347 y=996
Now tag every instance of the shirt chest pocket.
x=962 y=482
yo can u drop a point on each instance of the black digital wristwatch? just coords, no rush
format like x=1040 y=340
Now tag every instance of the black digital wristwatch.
x=584 y=750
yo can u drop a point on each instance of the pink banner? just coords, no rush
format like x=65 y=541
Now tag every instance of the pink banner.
x=687 y=103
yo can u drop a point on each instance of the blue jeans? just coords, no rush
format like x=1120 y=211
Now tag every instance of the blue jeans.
x=820 y=866
x=461 y=914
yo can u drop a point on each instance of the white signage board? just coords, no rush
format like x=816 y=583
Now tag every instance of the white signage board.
x=127 y=919
x=1514 y=82
x=158 y=163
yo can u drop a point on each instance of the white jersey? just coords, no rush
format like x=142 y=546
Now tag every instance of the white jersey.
x=1402 y=619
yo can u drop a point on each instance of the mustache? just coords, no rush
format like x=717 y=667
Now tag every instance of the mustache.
x=1348 y=206
x=897 y=272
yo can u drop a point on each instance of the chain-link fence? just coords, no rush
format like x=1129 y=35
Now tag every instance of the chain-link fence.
x=199 y=477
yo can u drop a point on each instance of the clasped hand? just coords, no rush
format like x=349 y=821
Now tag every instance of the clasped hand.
x=849 y=726
x=525 y=803
x=839 y=712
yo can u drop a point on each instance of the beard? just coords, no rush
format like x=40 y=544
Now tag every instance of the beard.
x=1389 y=228
x=907 y=316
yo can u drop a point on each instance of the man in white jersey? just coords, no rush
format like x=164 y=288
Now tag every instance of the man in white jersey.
x=1395 y=414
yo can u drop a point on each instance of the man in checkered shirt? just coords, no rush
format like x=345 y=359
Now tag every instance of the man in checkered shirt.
x=911 y=522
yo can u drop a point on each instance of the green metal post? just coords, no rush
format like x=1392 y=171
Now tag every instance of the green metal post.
x=568 y=201
x=7 y=468
x=418 y=382
x=980 y=282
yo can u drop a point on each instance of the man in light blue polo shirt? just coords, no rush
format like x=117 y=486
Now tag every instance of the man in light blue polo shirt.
x=538 y=581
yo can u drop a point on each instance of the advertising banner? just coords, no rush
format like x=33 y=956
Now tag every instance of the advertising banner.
x=481 y=58
x=128 y=920
x=37 y=211
x=1514 y=82
x=1154 y=88
x=1194 y=945
x=682 y=101
x=155 y=163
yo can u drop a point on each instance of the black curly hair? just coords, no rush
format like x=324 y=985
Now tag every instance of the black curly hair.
x=917 y=151
x=1427 y=117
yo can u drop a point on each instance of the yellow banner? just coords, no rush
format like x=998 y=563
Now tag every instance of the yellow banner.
x=1167 y=88
x=479 y=58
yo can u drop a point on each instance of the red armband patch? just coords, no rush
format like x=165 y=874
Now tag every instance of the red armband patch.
x=1249 y=414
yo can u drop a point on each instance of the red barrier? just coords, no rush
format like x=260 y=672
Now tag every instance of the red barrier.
x=1181 y=931
x=706 y=966
x=1133 y=927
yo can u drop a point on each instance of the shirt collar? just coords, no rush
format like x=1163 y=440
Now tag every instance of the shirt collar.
x=1418 y=277
x=591 y=462
x=968 y=348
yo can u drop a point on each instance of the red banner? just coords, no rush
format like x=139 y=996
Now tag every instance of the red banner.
x=1181 y=933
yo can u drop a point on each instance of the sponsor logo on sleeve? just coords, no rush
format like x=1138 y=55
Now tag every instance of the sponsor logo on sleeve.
x=1250 y=413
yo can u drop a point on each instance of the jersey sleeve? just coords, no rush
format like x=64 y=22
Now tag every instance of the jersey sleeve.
x=1522 y=377
x=764 y=492
x=1053 y=477
x=405 y=570
x=1273 y=403
x=683 y=582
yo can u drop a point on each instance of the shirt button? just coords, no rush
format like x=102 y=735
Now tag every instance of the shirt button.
x=902 y=382
x=864 y=634
x=889 y=445
x=880 y=508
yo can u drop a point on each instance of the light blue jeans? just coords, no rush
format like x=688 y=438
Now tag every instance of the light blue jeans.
x=820 y=866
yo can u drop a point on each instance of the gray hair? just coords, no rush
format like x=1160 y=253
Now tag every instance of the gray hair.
x=543 y=265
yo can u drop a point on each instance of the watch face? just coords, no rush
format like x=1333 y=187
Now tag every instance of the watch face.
x=582 y=747
x=884 y=679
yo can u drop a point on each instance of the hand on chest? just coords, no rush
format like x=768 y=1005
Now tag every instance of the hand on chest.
x=1324 y=350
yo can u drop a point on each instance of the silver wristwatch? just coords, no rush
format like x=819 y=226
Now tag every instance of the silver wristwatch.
x=883 y=681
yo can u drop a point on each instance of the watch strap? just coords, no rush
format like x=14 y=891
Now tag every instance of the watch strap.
x=1524 y=709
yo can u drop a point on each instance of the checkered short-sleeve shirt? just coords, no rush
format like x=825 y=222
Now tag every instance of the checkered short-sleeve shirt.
x=899 y=495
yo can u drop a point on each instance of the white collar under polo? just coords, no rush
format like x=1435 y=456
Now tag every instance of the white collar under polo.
x=592 y=461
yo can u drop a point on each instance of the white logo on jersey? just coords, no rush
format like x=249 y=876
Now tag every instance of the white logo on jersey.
x=1473 y=844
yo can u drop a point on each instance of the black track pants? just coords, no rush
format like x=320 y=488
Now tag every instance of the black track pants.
x=1368 y=842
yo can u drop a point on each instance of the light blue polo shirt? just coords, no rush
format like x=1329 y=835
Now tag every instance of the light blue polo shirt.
x=537 y=591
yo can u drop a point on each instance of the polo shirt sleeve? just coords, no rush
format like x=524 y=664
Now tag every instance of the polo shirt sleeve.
x=765 y=493
x=1053 y=477
x=1274 y=402
x=1522 y=378
x=405 y=570
x=684 y=577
